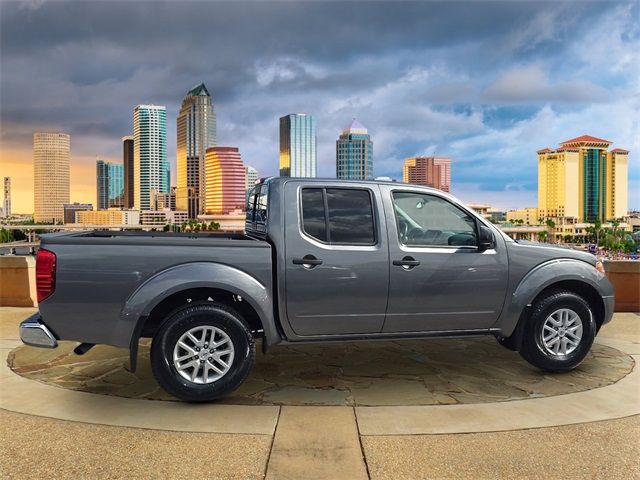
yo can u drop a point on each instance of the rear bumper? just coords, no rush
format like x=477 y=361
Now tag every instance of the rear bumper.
x=34 y=332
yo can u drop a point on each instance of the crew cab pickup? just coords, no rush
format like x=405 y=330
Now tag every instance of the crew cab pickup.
x=320 y=261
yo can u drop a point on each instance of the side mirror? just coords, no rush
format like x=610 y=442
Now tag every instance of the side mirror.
x=486 y=240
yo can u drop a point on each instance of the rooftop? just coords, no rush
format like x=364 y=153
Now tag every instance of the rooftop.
x=355 y=127
x=199 y=91
x=586 y=139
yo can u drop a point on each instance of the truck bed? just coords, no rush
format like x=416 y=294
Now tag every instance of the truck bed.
x=98 y=271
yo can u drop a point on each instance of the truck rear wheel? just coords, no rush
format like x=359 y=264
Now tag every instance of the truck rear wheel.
x=559 y=333
x=202 y=352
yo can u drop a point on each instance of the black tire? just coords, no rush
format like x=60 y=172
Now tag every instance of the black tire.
x=533 y=349
x=181 y=321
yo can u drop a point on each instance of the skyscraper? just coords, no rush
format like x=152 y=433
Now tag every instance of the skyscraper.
x=252 y=176
x=6 y=205
x=429 y=171
x=51 y=158
x=354 y=153
x=150 y=165
x=297 y=145
x=226 y=180
x=196 y=128
x=583 y=181
x=127 y=162
x=109 y=185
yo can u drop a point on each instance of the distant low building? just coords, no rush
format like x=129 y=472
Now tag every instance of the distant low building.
x=112 y=216
x=528 y=216
x=160 y=218
x=70 y=210
x=164 y=201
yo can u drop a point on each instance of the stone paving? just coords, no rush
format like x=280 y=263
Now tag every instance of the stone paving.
x=425 y=372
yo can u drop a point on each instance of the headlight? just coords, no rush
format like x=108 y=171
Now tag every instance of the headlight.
x=600 y=266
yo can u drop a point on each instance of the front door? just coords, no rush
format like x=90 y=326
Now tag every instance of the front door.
x=439 y=279
x=337 y=274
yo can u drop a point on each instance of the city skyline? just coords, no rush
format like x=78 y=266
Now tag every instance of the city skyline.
x=486 y=97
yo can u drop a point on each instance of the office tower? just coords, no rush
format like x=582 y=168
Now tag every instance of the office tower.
x=196 y=129
x=226 y=180
x=429 y=171
x=582 y=180
x=6 y=205
x=70 y=210
x=127 y=162
x=150 y=165
x=297 y=145
x=354 y=153
x=252 y=176
x=51 y=158
x=109 y=185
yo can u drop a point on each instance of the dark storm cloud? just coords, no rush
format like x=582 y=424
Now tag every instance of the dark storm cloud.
x=416 y=73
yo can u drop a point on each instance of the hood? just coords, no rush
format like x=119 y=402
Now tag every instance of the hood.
x=547 y=251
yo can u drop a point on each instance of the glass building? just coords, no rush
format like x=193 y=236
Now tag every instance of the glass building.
x=298 y=145
x=226 y=180
x=354 y=153
x=196 y=130
x=109 y=185
x=127 y=161
x=150 y=164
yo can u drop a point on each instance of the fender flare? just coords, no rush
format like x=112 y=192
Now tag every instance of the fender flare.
x=187 y=276
x=544 y=275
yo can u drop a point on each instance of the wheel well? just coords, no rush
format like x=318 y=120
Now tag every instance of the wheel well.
x=586 y=291
x=186 y=297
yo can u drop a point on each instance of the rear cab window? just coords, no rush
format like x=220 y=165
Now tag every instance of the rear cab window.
x=257 y=209
x=339 y=216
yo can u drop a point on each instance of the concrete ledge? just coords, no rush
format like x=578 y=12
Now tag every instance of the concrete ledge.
x=17 y=281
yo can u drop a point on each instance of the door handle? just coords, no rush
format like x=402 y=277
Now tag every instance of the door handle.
x=308 y=261
x=407 y=263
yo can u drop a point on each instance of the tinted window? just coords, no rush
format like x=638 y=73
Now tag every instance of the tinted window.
x=313 y=219
x=350 y=216
x=261 y=207
x=427 y=220
x=250 y=203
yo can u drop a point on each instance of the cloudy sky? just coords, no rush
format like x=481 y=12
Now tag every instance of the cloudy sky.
x=486 y=83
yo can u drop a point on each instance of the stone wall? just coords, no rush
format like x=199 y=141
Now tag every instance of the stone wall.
x=625 y=276
x=17 y=281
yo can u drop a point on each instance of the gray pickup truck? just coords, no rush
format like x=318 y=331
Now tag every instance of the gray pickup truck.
x=320 y=261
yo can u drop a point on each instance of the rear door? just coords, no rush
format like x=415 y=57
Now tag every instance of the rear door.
x=337 y=270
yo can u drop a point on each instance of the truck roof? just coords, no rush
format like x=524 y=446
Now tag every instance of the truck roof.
x=340 y=180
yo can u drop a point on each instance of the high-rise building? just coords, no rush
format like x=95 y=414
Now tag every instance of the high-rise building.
x=252 y=177
x=196 y=129
x=354 y=153
x=51 y=159
x=226 y=180
x=429 y=171
x=150 y=165
x=70 y=210
x=6 y=205
x=109 y=185
x=582 y=180
x=298 y=145
x=127 y=162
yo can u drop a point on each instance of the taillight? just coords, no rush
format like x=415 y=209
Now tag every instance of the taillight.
x=45 y=273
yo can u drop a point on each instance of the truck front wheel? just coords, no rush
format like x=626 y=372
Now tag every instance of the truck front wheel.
x=559 y=333
x=202 y=352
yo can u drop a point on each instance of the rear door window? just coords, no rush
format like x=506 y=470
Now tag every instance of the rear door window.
x=339 y=216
